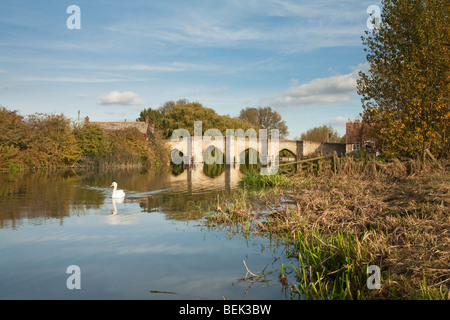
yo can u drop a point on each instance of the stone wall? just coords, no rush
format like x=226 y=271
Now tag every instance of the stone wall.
x=308 y=148
x=330 y=147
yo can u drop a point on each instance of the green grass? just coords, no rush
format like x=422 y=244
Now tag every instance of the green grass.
x=254 y=179
x=330 y=266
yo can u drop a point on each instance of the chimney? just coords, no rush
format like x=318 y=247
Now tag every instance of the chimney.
x=86 y=119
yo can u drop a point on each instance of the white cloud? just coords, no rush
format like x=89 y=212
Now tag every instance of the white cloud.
x=115 y=97
x=165 y=67
x=247 y=24
x=199 y=31
x=3 y=71
x=337 y=88
x=219 y=90
x=293 y=82
x=339 y=121
x=79 y=79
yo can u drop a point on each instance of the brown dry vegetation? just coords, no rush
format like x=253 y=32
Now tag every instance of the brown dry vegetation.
x=352 y=214
x=53 y=141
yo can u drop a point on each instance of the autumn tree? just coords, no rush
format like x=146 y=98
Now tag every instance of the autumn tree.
x=265 y=118
x=91 y=139
x=182 y=114
x=12 y=136
x=51 y=141
x=405 y=93
x=322 y=134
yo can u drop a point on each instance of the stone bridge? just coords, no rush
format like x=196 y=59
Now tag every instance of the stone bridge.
x=198 y=149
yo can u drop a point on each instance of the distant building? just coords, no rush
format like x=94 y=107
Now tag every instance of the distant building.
x=359 y=136
x=145 y=128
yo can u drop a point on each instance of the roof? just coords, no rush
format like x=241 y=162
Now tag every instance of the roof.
x=144 y=127
x=113 y=126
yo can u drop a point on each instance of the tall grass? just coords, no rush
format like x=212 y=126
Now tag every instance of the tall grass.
x=331 y=266
x=255 y=179
x=345 y=214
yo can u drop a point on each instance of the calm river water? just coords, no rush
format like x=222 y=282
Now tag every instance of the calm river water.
x=154 y=240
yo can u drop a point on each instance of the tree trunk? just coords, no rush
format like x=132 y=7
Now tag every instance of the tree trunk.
x=424 y=150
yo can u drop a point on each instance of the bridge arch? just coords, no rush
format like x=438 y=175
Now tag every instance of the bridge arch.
x=286 y=153
x=213 y=161
x=213 y=155
x=290 y=146
x=177 y=161
x=249 y=160
x=215 y=141
x=249 y=156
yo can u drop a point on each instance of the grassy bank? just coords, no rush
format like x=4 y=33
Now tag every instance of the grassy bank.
x=349 y=215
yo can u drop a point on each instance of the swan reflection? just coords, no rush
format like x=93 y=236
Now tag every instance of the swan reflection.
x=117 y=219
x=114 y=201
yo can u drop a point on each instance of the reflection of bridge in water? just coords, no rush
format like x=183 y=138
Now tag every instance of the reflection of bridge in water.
x=193 y=179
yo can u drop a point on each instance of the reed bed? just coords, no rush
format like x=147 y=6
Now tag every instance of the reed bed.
x=344 y=215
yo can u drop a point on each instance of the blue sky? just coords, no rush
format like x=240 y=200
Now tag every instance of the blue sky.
x=299 y=57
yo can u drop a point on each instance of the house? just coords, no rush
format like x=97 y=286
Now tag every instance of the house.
x=145 y=128
x=359 y=136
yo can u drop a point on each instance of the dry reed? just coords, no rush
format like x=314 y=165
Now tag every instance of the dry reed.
x=358 y=213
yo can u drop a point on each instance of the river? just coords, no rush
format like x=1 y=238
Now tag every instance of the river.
x=152 y=245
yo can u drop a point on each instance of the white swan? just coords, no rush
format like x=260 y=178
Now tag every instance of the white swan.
x=117 y=193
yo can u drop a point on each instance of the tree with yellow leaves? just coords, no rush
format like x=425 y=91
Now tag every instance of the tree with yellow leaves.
x=405 y=94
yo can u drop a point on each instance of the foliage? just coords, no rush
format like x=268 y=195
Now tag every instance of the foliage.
x=51 y=141
x=48 y=141
x=121 y=147
x=91 y=139
x=36 y=141
x=405 y=93
x=265 y=118
x=322 y=134
x=12 y=136
x=182 y=114
x=12 y=128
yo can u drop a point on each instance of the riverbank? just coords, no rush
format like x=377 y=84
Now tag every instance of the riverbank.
x=54 y=141
x=342 y=219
